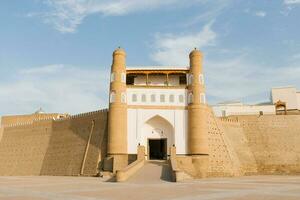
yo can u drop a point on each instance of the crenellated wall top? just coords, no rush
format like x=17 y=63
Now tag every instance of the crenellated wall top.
x=54 y=118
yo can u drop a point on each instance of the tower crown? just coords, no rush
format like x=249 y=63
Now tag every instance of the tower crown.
x=119 y=61
x=196 y=79
x=119 y=51
x=195 y=52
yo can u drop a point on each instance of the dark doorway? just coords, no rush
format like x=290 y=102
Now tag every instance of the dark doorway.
x=157 y=149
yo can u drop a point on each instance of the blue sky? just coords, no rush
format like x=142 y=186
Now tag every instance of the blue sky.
x=56 y=54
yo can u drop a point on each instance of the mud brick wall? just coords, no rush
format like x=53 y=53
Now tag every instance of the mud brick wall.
x=54 y=147
x=274 y=141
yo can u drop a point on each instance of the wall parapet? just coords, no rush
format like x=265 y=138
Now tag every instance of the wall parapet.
x=80 y=115
x=51 y=118
x=17 y=124
x=34 y=121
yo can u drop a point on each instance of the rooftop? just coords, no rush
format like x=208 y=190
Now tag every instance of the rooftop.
x=157 y=67
x=233 y=102
x=283 y=87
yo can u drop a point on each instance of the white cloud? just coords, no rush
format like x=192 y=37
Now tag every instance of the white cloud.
x=260 y=13
x=291 y=2
x=209 y=12
x=172 y=49
x=67 y=15
x=56 y=88
x=289 y=6
x=48 y=69
x=240 y=78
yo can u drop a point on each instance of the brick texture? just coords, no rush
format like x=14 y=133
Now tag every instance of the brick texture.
x=54 y=147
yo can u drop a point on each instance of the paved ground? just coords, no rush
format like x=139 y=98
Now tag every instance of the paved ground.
x=79 y=188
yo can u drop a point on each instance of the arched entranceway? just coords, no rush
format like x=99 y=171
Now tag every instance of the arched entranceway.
x=158 y=137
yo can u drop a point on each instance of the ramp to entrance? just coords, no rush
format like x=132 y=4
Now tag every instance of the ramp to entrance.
x=153 y=171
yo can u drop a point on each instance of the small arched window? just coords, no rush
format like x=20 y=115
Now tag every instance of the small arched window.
x=190 y=98
x=112 y=97
x=162 y=98
x=201 y=79
x=202 y=98
x=171 y=98
x=112 y=77
x=134 y=98
x=181 y=98
x=123 y=97
x=144 y=99
x=123 y=77
x=153 y=98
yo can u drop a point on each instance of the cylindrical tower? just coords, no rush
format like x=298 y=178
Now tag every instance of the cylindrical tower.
x=197 y=108
x=117 y=116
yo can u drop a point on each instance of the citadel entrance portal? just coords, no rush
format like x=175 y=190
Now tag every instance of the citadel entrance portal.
x=157 y=149
x=157 y=136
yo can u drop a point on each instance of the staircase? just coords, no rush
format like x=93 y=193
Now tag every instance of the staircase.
x=153 y=171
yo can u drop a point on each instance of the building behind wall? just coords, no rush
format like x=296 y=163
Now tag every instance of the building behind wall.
x=288 y=96
x=237 y=108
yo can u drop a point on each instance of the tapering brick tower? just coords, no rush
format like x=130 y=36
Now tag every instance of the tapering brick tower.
x=197 y=114
x=117 y=117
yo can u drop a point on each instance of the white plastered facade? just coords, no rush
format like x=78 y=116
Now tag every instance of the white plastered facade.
x=286 y=94
x=241 y=109
x=163 y=118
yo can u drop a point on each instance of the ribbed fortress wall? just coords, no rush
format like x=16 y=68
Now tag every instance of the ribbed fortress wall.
x=250 y=145
x=1 y=132
x=1 y=128
x=68 y=142
x=54 y=147
x=223 y=159
x=274 y=141
x=239 y=143
x=23 y=148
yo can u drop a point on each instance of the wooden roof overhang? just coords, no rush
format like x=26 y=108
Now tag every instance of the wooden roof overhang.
x=160 y=71
x=158 y=86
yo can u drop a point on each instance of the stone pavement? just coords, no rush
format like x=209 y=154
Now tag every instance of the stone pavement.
x=80 y=188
